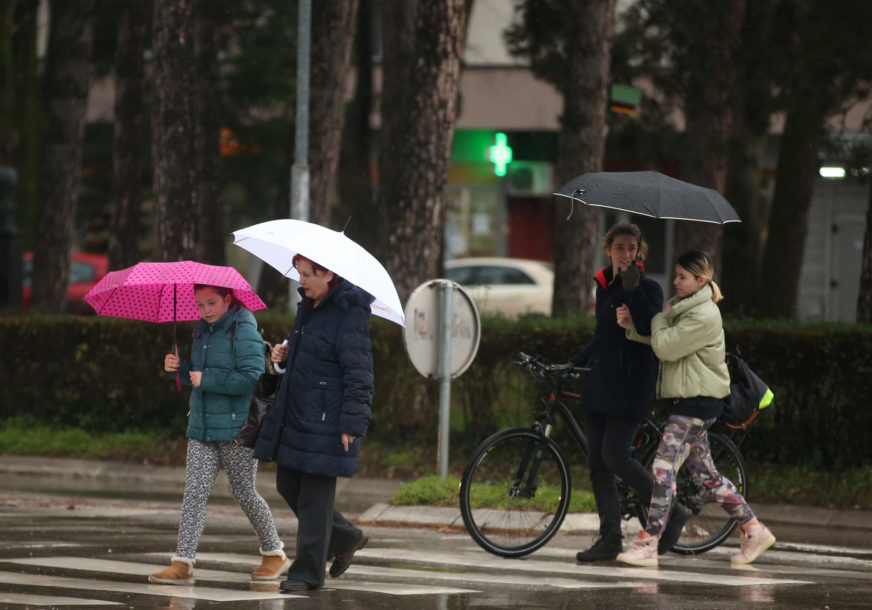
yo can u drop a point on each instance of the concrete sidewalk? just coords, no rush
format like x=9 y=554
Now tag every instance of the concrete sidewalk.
x=366 y=499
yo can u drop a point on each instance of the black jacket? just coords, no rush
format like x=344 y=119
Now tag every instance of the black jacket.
x=326 y=389
x=623 y=373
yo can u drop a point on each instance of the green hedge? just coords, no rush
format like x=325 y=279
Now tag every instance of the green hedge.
x=105 y=374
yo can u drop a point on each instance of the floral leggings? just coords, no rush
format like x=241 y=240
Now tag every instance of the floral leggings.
x=685 y=439
x=204 y=460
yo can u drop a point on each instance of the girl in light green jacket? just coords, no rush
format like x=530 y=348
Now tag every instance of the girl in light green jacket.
x=688 y=338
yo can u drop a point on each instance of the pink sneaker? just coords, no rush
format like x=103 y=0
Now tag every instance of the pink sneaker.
x=757 y=539
x=643 y=552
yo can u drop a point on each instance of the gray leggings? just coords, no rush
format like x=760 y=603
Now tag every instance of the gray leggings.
x=204 y=460
x=685 y=441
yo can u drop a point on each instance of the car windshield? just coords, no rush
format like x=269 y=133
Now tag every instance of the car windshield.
x=491 y=275
x=81 y=272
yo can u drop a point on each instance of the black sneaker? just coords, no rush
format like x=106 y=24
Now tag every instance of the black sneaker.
x=672 y=532
x=604 y=549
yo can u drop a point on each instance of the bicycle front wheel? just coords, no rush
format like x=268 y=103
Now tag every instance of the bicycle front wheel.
x=514 y=493
x=709 y=524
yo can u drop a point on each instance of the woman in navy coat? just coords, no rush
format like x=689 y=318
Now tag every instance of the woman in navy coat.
x=320 y=413
x=619 y=390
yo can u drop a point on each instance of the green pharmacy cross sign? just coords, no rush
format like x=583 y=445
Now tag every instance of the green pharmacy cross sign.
x=500 y=154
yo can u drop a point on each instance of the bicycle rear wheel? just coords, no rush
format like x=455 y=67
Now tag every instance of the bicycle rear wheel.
x=514 y=493
x=709 y=525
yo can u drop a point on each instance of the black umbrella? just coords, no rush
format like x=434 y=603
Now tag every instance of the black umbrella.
x=651 y=194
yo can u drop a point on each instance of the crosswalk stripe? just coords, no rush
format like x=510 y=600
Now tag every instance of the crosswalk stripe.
x=26 y=599
x=482 y=560
x=358 y=569
x=142 y=569
x=192 y=592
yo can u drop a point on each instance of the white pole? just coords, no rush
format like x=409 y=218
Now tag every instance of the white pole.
x=300 y=168
x=447 y=294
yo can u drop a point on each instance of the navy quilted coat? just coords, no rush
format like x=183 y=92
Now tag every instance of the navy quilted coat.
x=326 y=389
x=623 y=373
x=231 y=362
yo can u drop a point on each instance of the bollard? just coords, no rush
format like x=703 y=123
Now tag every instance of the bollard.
x=10 y=243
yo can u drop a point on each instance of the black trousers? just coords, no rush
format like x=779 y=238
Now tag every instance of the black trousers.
x=322 y=531
x=609 y=440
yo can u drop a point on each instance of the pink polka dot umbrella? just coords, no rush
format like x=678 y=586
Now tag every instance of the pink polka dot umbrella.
x=164 y=292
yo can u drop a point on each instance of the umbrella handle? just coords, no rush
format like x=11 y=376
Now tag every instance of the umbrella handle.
x=178 y=375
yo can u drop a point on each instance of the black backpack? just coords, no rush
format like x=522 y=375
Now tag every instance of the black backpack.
x=748 y=394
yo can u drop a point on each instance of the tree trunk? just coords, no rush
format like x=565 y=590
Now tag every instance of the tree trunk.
x=65 y=95
x=356 y=180
x=581 y=148
x=23 y=142
x=333 y=24
x=419 y=119
x=709 y=115
x=794 y=186
x=211 y=232
x=175 y=186
x=752 y=109
x=129 y=135
x=8 y=132
x=864 y=298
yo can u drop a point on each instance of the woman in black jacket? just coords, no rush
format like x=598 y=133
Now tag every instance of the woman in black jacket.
x=619 y=389
x=321 y=411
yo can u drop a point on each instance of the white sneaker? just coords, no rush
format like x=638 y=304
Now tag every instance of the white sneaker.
x=643 y=552
x=757 y=539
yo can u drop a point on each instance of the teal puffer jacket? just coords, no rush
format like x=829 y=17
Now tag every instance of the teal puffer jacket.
x=229 y=352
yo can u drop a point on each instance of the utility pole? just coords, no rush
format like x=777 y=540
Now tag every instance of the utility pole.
x=300 y=168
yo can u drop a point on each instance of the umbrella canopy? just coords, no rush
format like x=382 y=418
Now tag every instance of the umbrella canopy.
x=276 y=242
x=650 y=193
x=164 y=292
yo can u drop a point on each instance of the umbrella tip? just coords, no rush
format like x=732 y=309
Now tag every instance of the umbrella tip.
x=345 y=226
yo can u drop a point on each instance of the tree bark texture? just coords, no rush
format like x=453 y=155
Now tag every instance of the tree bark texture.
x=67 y=82
x=8 y=133
x=419 y=120
x=333 y=26
x=713 y=45
x=864 y=298
x=355 y=185
x=581 y=147
x=788 y=222
x=752 y=108
x=211 y=231
x=129 y=135
x=175 y=185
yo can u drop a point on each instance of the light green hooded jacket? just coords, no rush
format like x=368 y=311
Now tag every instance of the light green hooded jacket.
x=689 y=341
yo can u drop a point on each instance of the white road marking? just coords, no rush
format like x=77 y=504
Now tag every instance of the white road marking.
x=201 y=575
x=357 y=569
x=482 y=560
x=193 y=592
x=26 y=599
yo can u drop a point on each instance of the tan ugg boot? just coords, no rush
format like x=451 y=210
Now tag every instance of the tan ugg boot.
x=180 y=572
x=273 y=565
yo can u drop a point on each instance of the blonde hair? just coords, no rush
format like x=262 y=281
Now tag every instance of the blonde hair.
x=699 y=264
x=626 y=228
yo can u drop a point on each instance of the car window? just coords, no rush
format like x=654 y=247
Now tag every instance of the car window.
x=81 y=272
x=461 y=275
x=502 y=276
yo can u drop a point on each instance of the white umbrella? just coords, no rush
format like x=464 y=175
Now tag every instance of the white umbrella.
x=276 y=242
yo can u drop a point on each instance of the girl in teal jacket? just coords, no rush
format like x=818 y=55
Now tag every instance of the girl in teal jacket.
x=688 y=338
x=227 y=359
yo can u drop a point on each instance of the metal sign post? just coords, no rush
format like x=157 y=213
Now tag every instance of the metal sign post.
x=441 y=337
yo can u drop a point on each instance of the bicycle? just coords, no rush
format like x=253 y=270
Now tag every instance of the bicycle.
x=516 y=488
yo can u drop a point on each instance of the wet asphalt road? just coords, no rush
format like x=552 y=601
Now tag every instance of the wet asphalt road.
x=95 y=549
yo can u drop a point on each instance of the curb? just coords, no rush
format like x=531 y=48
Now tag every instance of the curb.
x=369 y=497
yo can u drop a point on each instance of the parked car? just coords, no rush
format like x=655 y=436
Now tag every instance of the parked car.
x=507 y=286
x=86 y=269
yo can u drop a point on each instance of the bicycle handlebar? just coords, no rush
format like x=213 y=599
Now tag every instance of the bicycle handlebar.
x=540 y=369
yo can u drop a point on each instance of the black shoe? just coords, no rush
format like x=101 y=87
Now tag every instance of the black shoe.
x=604 y=549
x=672 y=531
x=343 y=559
x=290 y=586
